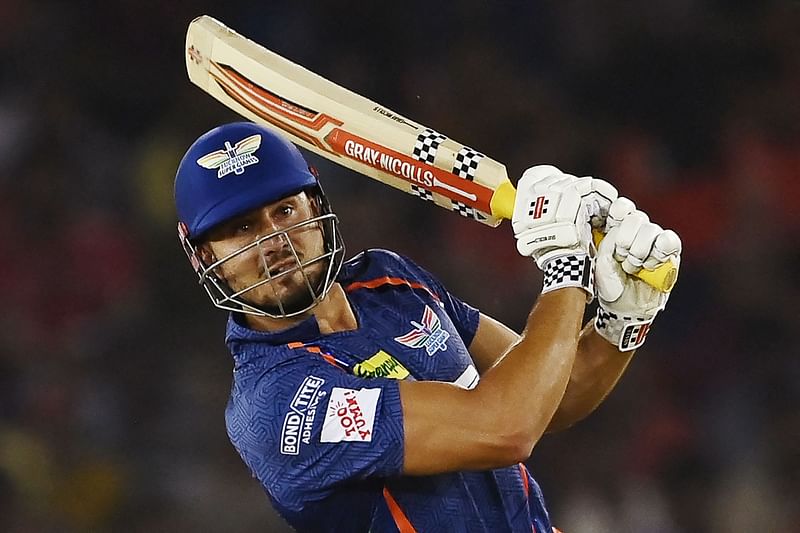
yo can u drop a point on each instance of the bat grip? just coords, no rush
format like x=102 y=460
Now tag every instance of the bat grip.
x=662 y=278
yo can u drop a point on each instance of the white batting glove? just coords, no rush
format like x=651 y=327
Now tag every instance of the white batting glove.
x=597 y=196
x=552 y=225
x=628 y=305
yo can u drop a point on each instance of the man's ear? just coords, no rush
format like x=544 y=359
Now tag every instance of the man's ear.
x=315 y=202
x=205 y=253
x=208 y=258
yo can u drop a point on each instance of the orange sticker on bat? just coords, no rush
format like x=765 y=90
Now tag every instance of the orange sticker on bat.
x=411 y=170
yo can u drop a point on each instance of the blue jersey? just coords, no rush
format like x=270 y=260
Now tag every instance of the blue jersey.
x=318 y=420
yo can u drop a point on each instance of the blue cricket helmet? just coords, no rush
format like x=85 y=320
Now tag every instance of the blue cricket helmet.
x=233 y=169
x=236 y=168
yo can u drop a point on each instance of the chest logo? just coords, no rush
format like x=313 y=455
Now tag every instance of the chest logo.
x=381 y=365
x=428 y=333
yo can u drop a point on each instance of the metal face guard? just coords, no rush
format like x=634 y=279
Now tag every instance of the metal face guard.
x=224 y=297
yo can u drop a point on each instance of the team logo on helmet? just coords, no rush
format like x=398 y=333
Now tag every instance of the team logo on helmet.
x=232 y=158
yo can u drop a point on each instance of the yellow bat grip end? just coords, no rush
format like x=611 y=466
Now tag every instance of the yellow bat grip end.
x=662 y=278
x=502 y=202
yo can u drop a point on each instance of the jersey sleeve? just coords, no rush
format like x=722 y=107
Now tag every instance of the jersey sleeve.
x=464 y=316
x=307 y=426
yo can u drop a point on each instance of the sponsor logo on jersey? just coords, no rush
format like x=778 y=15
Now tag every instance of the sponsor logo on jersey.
x=350 y=415
x=299 y=421
x=428 y=333
x=381 y=365
x=232 y=158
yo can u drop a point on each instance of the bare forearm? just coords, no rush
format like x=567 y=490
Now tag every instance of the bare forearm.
x=529 y=381
x=597 y=369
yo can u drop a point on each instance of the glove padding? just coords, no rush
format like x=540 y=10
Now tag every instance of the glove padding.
x=597 y=195
x=551 y=225
x=627 y=304
x=549 y=220
x=553 y=216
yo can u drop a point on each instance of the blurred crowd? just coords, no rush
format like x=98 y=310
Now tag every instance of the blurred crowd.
x=113 y=371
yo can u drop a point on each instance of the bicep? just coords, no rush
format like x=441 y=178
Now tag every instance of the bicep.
x=499 y=421
x=448 y=429
x=492 y=340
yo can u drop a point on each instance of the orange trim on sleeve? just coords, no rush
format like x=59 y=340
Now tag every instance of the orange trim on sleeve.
x=386 y=280
x=524 y=473
x=400 y=519
x=330 y=359
x=315 y=350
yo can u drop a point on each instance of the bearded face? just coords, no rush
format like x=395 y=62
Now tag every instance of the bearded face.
x=274 y=257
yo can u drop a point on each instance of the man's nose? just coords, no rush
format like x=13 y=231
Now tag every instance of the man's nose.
x=277 y=243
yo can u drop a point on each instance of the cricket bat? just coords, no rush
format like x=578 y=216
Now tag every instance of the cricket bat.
x=354 y=131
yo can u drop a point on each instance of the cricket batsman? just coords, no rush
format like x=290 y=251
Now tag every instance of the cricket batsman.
x=368 y=398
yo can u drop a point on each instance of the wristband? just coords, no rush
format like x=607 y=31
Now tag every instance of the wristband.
x=575 y=270
x=625 y=332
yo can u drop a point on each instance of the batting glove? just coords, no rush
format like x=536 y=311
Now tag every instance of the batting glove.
x=627 y=305
x=596 y=196
x=552 y=225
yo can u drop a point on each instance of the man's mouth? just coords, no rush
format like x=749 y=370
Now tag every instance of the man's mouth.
x=282 y=266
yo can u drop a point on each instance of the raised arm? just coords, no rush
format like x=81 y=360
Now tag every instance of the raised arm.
x=626 y=309
x=498 y=423
x=597 y=368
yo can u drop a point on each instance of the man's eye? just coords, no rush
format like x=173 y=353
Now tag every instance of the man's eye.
x=287 y=210
x=242 y=228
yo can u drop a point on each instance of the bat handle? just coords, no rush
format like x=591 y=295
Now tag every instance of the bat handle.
x=662 y=278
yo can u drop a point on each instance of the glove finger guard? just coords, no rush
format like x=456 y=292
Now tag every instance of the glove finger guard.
x=641 y=247
x=618 y=210
x=666 y=247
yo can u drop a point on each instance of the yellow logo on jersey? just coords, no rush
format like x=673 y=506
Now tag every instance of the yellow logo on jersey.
x=381 y=365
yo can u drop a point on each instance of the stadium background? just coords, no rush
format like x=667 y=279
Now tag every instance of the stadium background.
x=113 y=374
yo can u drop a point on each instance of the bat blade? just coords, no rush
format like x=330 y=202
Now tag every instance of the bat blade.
x=354 y=131
x=343 y=126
